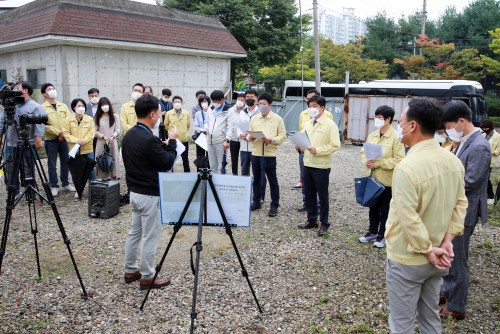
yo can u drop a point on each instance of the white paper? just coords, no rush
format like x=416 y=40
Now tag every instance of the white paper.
x=301 y=140
x=201 y=141
x=74 y=150
x=372 y=151
x=180 y=149
x=233 y=191
x=258 y=135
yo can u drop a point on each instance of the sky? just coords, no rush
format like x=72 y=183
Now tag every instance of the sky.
x=363 y=8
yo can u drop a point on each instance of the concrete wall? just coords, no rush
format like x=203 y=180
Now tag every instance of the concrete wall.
x=73 y=70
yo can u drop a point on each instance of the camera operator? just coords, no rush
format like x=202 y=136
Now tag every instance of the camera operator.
x=36 y=132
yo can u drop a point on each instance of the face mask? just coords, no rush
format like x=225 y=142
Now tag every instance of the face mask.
x=439 y=138
x=94 y=100
x=217 y=105
x=204 y=105
x=250 y=102
x=263 y=109
x=136 y=95
x=52 y=94
x=157 y=123
x=313 y=112
x=177 y=105
x=80 y=110
x=379 y=123
x=240 y=104
x=454 y=134
x=399 y=130
x=105 y=108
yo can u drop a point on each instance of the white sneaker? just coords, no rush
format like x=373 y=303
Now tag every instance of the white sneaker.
x=54 y=191
x=76 y=195
x=367 y=238
x=379 y=243
x=69 y=187
x=490 y=201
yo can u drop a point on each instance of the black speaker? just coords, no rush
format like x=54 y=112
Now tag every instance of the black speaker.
x=104 y=198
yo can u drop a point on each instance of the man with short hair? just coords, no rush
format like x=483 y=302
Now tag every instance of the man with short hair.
x=218 y=129
x=128 y=116
x=93 y=101
x=36 y=132
x=251 y=109
x=323 y=134
x=55 y=143
x=197 y=107
x=144 y=156
x=264 y=152
x=475 y=154
x=304 y=117
x=427 y=211
x=234 y=144
x=165 y=103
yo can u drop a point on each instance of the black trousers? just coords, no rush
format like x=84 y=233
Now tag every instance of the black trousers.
x=491 y=193
x=263 y=167
x=184 y=156
x=234 y=148
x=315 y=183
x=379 y=212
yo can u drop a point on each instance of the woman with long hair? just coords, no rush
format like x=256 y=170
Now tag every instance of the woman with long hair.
x=107 y=128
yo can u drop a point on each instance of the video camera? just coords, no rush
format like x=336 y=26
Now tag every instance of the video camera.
x=9 y=98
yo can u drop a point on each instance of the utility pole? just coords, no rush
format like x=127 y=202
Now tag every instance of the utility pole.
x=424 y=18
x=317 y=76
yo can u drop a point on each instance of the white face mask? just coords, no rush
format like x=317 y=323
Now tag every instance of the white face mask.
x=313 y=112
x=455 y=135
x=379 y=123
x=240 y=104
x=80 y=110
x=94 y=100
x=136 y=95
x=164 y=99
x=204 y=105
x=52 y=94
x=177 y=105
x=217 y=105
x=105 y=108
x=264 y=109
x=399 y=131
x=157 y=123
x=439 y=138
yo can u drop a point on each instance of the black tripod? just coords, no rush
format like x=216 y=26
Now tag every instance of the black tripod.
x=204 y=177
x=25 y=159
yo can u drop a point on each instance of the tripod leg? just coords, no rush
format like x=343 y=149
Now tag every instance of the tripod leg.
x=229 y=232
x=34 y=231
x=177 y=227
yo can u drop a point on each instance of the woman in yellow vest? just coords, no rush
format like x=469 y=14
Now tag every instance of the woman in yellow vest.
x=381 y=169
x=180 y=119
x=78 y=128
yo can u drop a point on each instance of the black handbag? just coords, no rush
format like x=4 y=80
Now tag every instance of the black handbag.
x=105 y=160
x=202 y=162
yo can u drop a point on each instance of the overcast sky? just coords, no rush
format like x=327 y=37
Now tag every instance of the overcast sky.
x=363 y=8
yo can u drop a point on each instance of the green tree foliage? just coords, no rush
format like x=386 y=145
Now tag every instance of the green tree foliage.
x=267 y=29
x=493 y=63
x=468 y=64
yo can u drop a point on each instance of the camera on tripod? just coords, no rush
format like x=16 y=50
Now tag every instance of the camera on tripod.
x=9 y=97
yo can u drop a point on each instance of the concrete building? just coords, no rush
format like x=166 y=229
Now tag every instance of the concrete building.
x=112 y=44
x=341 y=29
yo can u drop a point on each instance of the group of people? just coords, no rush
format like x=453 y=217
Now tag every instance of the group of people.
x=434 y=196
x=435 y=168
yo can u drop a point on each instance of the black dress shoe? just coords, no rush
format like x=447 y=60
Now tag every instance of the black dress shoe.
x=322 y=230
x=273 y=212
x=302 y=208
x=256 y=206
x=308 y=225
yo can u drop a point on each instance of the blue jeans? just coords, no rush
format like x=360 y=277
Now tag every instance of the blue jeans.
x=262 y=167
x=53 y=148
x=28 y=167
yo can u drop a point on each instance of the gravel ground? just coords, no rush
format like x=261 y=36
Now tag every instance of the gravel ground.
x=304 y=284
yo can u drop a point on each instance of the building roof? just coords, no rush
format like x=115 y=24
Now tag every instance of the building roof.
x=105 y=21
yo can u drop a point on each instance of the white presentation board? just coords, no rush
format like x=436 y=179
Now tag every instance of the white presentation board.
x=234 y=193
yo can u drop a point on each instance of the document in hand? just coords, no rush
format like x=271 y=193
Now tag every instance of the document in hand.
x=301 y=140
x=180 y=149
x=201 y=141
x=372 y=151
x=259 y=135
x=74 y=150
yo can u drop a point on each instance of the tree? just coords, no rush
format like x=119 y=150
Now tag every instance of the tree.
x=468 y=64
x=267 y=29
x=492 y=64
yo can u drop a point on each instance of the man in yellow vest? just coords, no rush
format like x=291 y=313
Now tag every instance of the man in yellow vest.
x=128 y=116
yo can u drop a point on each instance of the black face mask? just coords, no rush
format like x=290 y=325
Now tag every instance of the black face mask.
x=250 y=102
